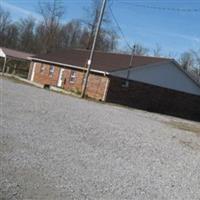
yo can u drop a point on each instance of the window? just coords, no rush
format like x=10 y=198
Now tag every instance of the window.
x=51 y=70
x=72 y=76
x=125 y=83
x=42 y=68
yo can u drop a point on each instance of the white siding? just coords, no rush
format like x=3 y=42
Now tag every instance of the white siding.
x=166 y=75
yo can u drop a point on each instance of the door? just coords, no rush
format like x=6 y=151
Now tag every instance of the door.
x=33 y=72
x=60 y=78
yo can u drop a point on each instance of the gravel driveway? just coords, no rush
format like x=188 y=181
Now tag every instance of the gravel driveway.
x=54 y=146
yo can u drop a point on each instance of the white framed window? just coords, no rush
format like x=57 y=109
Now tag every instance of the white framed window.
x=42 y=68
x=51 y=70
x=72 y=78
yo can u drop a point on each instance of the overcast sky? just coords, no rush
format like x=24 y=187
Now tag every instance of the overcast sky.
x=175 y=31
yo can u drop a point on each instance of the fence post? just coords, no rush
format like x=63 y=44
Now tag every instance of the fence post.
x=4 y=65
x=14 y=69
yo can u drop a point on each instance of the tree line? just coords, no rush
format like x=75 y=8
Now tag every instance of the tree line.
x=51 y=33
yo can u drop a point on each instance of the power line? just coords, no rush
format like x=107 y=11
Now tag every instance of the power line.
x=120 y=29
x=164 y=8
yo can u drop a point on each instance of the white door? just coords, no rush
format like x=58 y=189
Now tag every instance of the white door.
x=33 y=72
x=60 y=78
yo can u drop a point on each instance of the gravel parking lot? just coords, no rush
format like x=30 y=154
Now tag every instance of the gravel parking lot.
x=54 y=146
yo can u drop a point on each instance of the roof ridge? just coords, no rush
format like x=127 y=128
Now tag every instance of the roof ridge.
x=116 y=53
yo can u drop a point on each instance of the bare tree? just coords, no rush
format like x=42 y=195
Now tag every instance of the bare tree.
x=12 y=36
x=186 y=60
x=197 y=60
x=71 y=34
x=113 y=40
x=157 y=50
x=107 y=40
x=93 y=13
x=27 y=35
x=52 y=13
x=172 y=54
x=141 y=50
x=84 y=40
x=4 y=24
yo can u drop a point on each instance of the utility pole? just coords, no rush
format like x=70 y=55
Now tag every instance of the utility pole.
x=132 y=55
x=131 y=61
x=89 y=64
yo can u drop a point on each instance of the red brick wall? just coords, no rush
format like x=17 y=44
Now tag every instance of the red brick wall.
x=77 y=85
x=154 y=98
x=96 y=83
x=44 y=77
x=95 y=87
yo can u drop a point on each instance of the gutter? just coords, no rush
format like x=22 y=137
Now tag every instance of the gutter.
x=68 y=65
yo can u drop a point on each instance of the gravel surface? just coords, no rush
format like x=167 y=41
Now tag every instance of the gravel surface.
x=54 y=146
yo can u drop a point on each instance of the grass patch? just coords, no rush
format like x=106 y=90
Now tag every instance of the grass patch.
x=16 y=80
x=13 y=79
x=75 y=91
x=194 y=128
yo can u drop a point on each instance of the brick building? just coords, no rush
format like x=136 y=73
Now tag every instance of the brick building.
x=150 y=83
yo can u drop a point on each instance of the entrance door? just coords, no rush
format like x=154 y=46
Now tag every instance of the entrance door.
x=33 y=72
x=60 y=78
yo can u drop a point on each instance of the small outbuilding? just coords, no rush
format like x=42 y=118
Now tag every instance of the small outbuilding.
x=15 y=62
x=150 y=83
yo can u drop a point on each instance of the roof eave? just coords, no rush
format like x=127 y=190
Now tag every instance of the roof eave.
x=69 y=65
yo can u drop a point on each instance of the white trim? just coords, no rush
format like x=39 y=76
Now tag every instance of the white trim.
x=2 y=54
x=106 y=89
x=33 y=72
x=59 y=84
x=68 y=65
x=29 y=58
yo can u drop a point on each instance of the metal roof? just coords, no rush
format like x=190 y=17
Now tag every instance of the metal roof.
x=105 y=62
x=11 y=53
